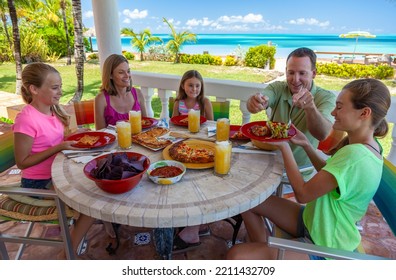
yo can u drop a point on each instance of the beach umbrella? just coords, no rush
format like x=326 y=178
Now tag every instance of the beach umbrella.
x=357 y=35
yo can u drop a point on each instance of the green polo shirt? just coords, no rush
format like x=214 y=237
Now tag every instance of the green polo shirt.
x=280 y=102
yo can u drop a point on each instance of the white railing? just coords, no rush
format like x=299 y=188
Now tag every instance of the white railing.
x=165 y=85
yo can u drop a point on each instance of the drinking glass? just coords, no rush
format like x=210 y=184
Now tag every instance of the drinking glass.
x=222 y=158
x=124 y=135
x=135 y=118
x=222 y=129
x=194 y=120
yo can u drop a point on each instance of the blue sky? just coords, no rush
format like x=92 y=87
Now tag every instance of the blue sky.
x=255 y=16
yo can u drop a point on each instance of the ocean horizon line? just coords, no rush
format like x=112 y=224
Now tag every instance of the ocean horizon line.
x=233 y=43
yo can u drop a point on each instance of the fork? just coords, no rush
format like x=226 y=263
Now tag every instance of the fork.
x=291 y=109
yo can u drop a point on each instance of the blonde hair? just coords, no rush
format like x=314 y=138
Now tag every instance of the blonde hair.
x=109 y=65
x=35 y=74
x=182 y=93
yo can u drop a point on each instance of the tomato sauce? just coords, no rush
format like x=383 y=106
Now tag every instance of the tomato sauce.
x=166 y=171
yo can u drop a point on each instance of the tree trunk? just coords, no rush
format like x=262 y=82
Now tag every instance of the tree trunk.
x=63 y=8
x=79 y=50
x=17 y=45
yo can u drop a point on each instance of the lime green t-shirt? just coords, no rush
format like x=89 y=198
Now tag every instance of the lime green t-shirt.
x=280 y=102
x=331 y=219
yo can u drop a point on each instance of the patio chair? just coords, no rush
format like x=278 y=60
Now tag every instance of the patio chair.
x=385 y=199
x=17 y=205
x=85 y=112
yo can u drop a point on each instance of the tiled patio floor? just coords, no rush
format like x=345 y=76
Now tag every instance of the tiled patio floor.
x=377 y=240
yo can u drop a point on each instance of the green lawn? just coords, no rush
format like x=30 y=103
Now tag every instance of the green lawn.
x=92 y=81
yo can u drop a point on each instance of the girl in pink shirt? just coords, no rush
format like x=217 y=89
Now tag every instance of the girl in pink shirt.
x=191 y=96
x=38 y=133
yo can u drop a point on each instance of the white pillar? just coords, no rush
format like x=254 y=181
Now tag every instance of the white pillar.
x=107 y=28
x=391 y=117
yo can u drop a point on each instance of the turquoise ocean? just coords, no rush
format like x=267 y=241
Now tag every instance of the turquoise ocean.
x=224 y=44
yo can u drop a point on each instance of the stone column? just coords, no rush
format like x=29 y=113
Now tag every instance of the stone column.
x=107 y=28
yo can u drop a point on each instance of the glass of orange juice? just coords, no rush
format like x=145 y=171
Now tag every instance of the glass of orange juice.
x=222 y=158
x=124 y=135
x=194 y=121
x=222 y=129
x=135 y=119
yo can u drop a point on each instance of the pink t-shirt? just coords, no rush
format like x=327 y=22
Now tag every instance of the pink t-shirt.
x=46 y=131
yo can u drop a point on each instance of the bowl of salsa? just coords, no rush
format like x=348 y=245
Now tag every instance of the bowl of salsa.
x=166 y=172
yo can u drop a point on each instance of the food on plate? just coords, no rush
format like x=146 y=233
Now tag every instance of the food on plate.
x=118 y=166
x=166 y=171
x=150 y=138
x=146 y=122
x=260 y=130
x=238 y=135
x=184 y=121
x=278 y=130
x=182 y=152
x=88 y=140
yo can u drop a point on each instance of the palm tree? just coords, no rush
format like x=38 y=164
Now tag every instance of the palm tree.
x=79 y=55
x=140 y=40
x=174 y=45
x=3 y=15
x=17 y=45
x=63 y=5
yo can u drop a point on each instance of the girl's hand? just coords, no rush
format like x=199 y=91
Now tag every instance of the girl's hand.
x=299 y=139
x=67 y=145
x=280 y=144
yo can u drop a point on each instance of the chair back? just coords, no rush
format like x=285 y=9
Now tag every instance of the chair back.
x=221 y=109
x=85 y=112
x=7 y=158
x=385 y=197
x=331 y=141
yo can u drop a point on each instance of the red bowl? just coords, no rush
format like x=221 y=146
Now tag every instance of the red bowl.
x=117 y=186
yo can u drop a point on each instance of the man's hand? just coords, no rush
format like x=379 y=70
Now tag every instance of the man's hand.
x=257 y=103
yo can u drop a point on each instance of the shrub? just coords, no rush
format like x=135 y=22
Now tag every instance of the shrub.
x=128 y=55
x=261 y=55
x=159 y=53
x=230 y=61
x=344 y=70
x=93 y=56
x=206 y=59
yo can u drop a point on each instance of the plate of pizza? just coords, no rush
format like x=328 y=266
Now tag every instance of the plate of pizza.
x=268 y=131
x=151 y=138
x=236 y=133
x=148 y=122
x=182 y=120
x=91 y=139
x=194 y=154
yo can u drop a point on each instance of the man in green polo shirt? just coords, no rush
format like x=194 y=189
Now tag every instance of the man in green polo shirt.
x=312 y=104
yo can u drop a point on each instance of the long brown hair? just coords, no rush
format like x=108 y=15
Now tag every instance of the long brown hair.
x=111 y=62
x=374 y=94
x=35 y=74
x=182 y=93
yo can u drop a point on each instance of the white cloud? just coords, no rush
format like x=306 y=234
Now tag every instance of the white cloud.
x=309 y=21
x=249 y=18
x=135 y=14
x=88 y=14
